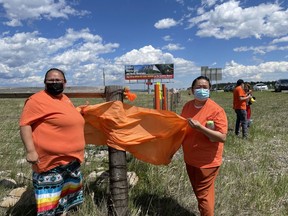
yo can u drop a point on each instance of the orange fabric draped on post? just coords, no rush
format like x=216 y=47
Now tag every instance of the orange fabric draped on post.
x=150 y=135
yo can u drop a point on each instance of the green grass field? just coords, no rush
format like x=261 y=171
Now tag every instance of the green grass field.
x=253 y=179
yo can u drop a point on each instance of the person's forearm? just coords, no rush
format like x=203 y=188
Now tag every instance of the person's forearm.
x=245 y=98
x=214 y=136
x=26 y=136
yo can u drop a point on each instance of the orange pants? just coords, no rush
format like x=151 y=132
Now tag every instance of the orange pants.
x=202 y=181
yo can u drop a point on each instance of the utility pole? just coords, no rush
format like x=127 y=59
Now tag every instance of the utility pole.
x=103 y=77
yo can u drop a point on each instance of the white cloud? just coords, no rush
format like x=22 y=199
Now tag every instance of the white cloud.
x=25 y=57
x=167 y=38
x=229 y=20
x=28 y=54
x=180 y=2
x=173 y=47
x=13 y=23
x=208 y=3
x=18 y=11
x=145 y=55
x=280 y=40
x=78 y=53
x=261 y=49
x=266 y=71
x=165 y=23
x=185 y=70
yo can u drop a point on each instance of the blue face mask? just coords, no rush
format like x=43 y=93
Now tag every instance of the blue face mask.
x=201 y=94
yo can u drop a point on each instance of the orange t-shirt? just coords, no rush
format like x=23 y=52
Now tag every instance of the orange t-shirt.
x=57 y=130
x=237 y=103
x=198 y=150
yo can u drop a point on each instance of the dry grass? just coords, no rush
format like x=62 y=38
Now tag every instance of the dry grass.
x=252 y=180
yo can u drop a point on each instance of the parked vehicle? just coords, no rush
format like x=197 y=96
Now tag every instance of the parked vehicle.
x=281 y=84
x=229 y=88
x=260 y=87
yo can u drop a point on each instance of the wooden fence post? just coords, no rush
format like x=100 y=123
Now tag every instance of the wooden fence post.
x=175 y=99
x=118 y=198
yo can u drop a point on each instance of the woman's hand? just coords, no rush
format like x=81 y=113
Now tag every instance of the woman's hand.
x=32 y=157
x=194 y=123
x=213 y=136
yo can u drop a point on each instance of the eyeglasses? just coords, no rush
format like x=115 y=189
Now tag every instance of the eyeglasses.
x=54 y=80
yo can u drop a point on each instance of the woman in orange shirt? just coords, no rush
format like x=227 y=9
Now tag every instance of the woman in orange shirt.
x=52 y=131
x=203 y=143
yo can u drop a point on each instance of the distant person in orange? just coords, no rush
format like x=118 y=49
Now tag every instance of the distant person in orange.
x=204 y=142
x=52 y=131
x=240 y=98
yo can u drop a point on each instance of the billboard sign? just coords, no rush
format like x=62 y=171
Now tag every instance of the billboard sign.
x=213 y=74
x=151 y=71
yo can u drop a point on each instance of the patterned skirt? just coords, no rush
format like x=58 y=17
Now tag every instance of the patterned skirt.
x=58 y=190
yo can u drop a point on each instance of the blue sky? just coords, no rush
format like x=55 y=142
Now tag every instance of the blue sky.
x=247 y=39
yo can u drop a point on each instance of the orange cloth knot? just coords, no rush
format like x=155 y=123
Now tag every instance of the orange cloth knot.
x=129 y=95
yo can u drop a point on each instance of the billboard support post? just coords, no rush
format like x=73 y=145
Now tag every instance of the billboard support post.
x=214 y=74
x=148 y=83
